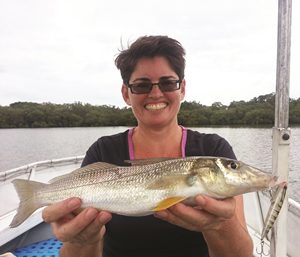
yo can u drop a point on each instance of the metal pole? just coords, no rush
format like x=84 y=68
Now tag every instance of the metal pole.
x=281 y=131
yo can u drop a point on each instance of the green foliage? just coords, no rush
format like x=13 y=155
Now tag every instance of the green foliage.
x=294 y=113
x=258 y=111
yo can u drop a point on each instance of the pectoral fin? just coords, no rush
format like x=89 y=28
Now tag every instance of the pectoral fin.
x=166 y=203
x=172 y=181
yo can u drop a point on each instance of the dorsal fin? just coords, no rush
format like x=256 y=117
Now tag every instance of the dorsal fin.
x=96 y=166
x=139 y=162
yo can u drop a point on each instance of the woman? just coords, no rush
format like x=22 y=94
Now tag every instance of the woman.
x=152 y=69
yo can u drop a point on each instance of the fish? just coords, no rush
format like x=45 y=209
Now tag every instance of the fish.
x=144 y=186
x=277 y=201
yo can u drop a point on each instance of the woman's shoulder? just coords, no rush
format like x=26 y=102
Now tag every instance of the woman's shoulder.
x=203 y=138
x=207 y=144
x=199 y=135
x=108 y=148
x=113 y=139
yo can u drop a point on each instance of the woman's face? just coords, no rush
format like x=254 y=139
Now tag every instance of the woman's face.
x=156 y=108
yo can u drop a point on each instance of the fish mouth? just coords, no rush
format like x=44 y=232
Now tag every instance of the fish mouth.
x=156 y=106
x=273 y=181
x=281 y=183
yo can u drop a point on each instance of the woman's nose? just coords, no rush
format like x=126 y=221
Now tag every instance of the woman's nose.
x=155 y=91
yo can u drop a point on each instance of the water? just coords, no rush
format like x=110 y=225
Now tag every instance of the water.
x=252 y=145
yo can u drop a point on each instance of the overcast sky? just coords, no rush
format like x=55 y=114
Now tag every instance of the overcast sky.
x=63 y=51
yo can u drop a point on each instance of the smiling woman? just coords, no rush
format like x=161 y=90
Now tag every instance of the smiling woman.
x=152 y=70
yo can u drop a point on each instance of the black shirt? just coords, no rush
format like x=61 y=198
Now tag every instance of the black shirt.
x=150 y=236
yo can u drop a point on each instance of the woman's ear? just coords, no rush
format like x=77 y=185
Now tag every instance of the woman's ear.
x=182 y=89
x=125 y=94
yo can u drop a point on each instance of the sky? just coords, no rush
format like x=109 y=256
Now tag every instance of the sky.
x=63 y=51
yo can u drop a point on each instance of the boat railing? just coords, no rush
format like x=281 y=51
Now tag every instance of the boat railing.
x=31 y=168
x=294 y=207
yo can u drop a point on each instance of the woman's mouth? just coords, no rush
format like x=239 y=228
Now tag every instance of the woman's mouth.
x=156 y=106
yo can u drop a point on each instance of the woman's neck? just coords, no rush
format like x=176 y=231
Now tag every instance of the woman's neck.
x=154 y=143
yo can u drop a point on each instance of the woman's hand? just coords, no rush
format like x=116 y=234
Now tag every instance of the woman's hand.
x=207 y=214
x=222 y=223
x=74 y=225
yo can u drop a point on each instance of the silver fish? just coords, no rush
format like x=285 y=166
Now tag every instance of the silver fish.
x=144 y=187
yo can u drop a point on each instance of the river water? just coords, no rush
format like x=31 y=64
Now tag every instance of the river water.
x=251 y=145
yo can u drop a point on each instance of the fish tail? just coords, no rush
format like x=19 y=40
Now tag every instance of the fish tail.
x=28 y=203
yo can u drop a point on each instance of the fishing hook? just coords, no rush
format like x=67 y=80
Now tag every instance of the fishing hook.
x=261 y=252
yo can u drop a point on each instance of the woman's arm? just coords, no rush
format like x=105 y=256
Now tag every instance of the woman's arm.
x=222 y=223
x=231 y=238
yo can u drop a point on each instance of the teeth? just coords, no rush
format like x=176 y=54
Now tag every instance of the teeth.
x=158 y=106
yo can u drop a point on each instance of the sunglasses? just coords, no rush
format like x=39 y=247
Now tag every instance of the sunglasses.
x=145 y=87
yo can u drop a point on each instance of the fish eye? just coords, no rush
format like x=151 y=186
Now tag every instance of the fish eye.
x=233 y=165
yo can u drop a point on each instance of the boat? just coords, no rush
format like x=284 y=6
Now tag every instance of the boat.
x=34 y=237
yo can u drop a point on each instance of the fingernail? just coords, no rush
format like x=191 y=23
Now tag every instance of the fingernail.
x=91 y=213
x=200 y=200
x=161 y=214
x=74 y=203
x=103 y=217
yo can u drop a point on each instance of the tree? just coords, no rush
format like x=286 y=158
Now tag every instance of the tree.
x=257 y=111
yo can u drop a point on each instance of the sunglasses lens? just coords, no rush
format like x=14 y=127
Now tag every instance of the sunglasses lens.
x=168 y=85
x=146 y=87
x=141 y=88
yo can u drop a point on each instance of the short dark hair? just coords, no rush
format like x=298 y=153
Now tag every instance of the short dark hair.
x=151 y=46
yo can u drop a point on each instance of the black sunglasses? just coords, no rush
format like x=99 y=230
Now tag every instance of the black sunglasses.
x=145 y=87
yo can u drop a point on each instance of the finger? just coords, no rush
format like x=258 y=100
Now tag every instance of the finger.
x=207 y=214
x=104 y=217
x=58 y=210
x=185 y=216
x=222 y=208
x=95 y=230
x=77 y=211
x=192 y=216
x=68 y=230
x=170 y=217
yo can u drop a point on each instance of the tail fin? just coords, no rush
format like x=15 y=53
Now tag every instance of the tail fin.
x=28 y=203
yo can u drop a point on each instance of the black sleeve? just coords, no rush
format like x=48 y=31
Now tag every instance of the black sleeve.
x=201 y=144
x=218 y=146
x=93 y=154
